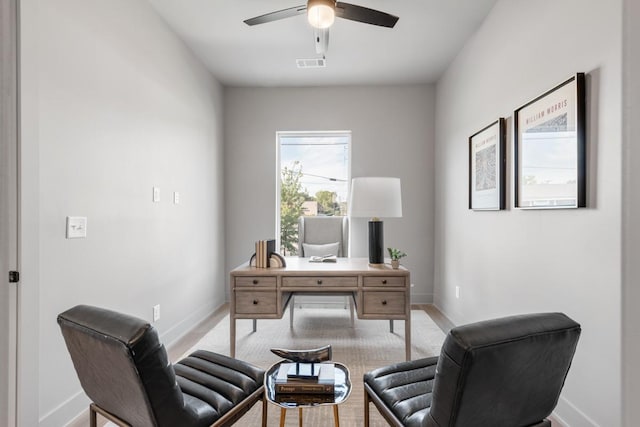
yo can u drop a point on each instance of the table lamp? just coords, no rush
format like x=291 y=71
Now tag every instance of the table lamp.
x=375 y=198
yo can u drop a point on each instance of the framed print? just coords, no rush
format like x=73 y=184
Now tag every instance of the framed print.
x=550 y=149
x=487 y=160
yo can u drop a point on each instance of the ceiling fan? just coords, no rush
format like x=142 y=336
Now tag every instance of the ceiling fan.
x=322 y=13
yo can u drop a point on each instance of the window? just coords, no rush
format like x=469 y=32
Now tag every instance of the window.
x=314 y=171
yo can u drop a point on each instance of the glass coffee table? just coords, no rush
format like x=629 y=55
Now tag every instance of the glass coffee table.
x=342 y=390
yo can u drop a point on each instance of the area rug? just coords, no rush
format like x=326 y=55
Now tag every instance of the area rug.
x=366 y=346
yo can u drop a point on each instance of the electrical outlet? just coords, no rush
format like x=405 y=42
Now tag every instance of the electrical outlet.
x=156 y=313
x=176 y=197
x=457 y=292
x=156 y=194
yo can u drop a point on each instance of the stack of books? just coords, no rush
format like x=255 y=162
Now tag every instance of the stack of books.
x=305 y=378
x=264 y=249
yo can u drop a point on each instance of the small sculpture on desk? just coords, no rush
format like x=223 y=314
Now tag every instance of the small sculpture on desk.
x=315 y=355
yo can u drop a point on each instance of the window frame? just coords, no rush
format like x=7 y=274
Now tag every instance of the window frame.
x=306 y=134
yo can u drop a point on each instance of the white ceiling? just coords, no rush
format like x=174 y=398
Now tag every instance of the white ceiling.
x=425 y=40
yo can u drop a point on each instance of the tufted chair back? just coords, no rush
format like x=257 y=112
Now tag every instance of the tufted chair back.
x=124 y=369
x=503 y=372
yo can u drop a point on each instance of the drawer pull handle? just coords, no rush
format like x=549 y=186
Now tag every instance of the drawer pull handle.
x=319 y=282
x=255 y=281
x=255 y=302
x=384 y=302
x=384 y=282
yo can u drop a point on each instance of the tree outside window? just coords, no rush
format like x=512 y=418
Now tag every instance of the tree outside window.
x=314 y=175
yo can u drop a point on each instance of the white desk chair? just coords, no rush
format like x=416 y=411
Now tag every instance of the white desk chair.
x=319 y=236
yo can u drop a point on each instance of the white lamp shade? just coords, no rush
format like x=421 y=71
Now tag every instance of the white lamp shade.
x=321 y=13
x=373 y=197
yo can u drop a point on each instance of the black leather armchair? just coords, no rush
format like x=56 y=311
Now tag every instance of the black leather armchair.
x=124 y=369
x=505 y=372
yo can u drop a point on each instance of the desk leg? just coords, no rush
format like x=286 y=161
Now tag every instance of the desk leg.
x=232 y=336
x=351 y=310
x=407 y=336
x=292 y=304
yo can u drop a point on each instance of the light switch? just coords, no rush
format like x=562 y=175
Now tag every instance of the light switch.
x=76 y=227
x=156 y=194
x=176 y=197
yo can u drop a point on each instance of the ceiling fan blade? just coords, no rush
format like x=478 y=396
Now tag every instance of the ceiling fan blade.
x=364 y=14
x=275 y=16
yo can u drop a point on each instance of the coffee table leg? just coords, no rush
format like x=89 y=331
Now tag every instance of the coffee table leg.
x=336 y=416
x=283 y=415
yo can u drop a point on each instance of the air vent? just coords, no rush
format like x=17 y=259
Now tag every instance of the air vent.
x=311 y=63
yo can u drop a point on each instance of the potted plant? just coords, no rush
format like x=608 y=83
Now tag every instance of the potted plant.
x=395 y=255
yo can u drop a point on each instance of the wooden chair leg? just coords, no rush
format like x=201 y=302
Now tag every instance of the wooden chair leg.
x=283 y=416
x=366 y=409
x=264 y=411
x=336 y=416
x=300 y=417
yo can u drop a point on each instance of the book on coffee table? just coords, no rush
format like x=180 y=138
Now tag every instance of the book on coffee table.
x=305 y=398
x=316 y=379
x=304 y=371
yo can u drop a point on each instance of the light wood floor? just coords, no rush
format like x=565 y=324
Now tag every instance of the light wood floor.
x=177 y=349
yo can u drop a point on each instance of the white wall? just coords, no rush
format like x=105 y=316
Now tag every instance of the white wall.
x=8 y=207
x=118 y=105
x=392 y=135
x=519 y=261
x=631 y=215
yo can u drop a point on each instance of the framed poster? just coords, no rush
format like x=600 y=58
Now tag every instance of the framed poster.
x=550 y=149
x=487 y=160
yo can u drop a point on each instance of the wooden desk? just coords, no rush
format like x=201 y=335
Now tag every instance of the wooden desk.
x=264 y=293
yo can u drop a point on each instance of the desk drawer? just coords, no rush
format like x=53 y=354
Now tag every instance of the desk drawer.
x=259 y=302
x=383 y=303
x=256 y=282
x=384 y=281
x=319 y=282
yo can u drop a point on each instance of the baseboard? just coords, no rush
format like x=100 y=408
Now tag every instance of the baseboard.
x=567 y=414
x=421 y=298
x=321 y=301
x=177 y=331
x=66 y=412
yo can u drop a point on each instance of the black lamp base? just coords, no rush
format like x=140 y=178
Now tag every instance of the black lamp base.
x=376 y=243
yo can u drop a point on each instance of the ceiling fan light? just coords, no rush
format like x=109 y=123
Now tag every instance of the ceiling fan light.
x=321 y=13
